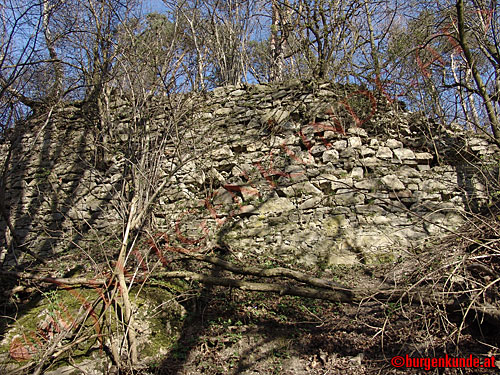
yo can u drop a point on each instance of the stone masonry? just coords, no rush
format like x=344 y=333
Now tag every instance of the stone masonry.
x=313 y=174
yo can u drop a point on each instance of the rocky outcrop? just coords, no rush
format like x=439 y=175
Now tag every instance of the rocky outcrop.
x=314 y=175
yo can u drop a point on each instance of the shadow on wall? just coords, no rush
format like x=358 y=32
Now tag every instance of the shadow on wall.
x=53 y=194
x=478 y=173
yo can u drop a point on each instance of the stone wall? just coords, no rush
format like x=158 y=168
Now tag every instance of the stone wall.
x=313 y=174
x=54 y=194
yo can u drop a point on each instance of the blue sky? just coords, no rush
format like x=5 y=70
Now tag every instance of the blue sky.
x=153 y=6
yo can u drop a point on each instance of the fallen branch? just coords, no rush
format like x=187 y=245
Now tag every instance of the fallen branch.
x=342 y=296
x=335 y=296
x=322 y=289
x=54 y=280
x=273 y=272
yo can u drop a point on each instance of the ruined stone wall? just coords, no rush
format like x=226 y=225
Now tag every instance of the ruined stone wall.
x=315 y=175
x=54 y=194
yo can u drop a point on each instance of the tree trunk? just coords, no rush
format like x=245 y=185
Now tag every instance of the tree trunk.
x=488 y=103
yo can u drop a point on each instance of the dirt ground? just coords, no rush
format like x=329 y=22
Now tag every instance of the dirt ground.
x=248 y=333
x=229 y=331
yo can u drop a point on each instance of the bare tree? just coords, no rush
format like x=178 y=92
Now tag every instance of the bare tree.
x=483 y=26
x=324 y=28
x=276 y=44
x=19 y=58
x=69 y=50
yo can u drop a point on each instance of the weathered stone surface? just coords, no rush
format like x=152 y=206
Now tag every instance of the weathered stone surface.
x=302 y=188
x=330 y=156
x=424 y=156
x=357 y=173
x=423 y=167
x=384 y=153
x=218 y=91
x=370 y=161
x=432 y=186
x=222 y=153
x=347 y=197
x=238 y=92
x=340 y=145
x=329 y=134
x=400 y=194
x=354 y=142
x=276 y=205
x=393 y=143
x=222 y=111
x=367 y=184
x=275 y=116
x=253 y=167
x=403 y=153
x=367 y=151
x=392 y=182
x=310 y=203
x=339 y=183
x=249 y=193
x=359 y=131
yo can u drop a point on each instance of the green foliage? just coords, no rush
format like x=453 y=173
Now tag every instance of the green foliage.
x=53 y=301
x=260 y=55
